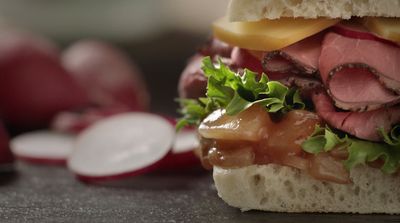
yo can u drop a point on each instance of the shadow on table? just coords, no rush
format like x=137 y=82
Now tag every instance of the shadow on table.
x=7 y=176
x=159 y=180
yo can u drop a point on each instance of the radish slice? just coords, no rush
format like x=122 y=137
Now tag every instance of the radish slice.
x=358 y=31
x=43 y=147
x=185 y=141
x=123 y=145
x=182 y=154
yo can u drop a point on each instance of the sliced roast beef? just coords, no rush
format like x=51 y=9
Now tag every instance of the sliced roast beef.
x=299 y=58
x=243 y=59
x=215 y=47
x=363 y=125
x=193 y=83
x=360 y=74
x=305 y=85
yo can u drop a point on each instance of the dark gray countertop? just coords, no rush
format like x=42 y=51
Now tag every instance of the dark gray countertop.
x=52 y=194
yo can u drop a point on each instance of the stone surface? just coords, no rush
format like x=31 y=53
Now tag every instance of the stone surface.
x=52 y=194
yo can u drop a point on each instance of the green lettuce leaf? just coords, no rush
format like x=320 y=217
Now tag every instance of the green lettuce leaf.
x=322 y=140
x=235 y=93
x=360 y=151
x=192 y=110
x=393 y=137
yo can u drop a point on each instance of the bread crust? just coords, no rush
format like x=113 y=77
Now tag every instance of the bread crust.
x=254 y=10
x=284 y=189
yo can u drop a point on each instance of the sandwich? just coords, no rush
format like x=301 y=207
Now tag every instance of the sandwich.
x=297 y=105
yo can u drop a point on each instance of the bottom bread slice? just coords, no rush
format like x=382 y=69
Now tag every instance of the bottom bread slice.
x=284 y=189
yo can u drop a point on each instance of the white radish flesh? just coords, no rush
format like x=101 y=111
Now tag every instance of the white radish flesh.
x=123 y=145
x=185 y=141
x=43 y=147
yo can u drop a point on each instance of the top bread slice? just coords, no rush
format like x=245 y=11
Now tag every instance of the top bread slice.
x=254 y=10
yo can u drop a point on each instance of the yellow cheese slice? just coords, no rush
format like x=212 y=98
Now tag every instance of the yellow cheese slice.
x=387 y=28
x=267 y=35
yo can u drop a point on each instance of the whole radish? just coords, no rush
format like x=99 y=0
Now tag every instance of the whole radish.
x=33 y=84
x=109 y=77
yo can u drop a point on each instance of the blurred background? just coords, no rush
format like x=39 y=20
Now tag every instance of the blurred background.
x=65 y=64
x=158 y=36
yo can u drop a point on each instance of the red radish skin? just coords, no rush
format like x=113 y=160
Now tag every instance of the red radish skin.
x=6 y=156
x=16 y=42
x=358 y=31
x=175 y=161
x=33 y=84
x=182 y=153
x=43 y=147
x=109 y=77
x=120 y=146
x=75 y=122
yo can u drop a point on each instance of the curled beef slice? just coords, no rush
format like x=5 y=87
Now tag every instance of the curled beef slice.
x=363 y=125
x=192 y=83
x=299 y=58
x=360 y=74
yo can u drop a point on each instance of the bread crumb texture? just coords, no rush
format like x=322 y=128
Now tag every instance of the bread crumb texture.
x=285 y=189
x=254 y=10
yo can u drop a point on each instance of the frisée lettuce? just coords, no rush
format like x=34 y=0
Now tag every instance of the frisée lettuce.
x=360 y=151
x=235 y=93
